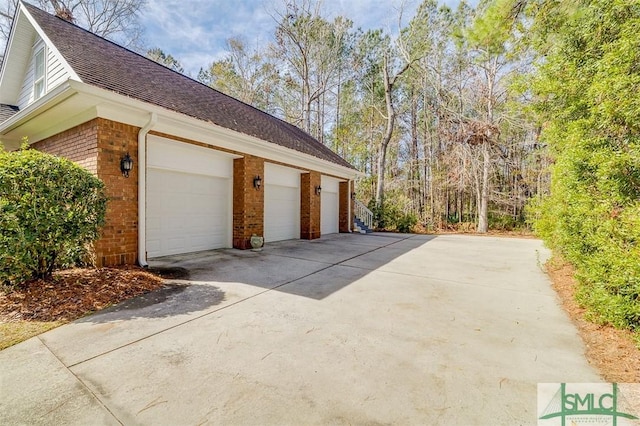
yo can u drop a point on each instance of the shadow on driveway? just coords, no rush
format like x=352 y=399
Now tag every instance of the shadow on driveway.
x=314 y=269
x=172 y=300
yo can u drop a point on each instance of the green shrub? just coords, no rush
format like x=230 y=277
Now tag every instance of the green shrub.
x=386 y=217
x=51 y=210
x=506 y=222
x=406 y=223
x=587 y=89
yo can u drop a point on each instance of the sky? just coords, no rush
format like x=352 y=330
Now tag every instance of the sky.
x=195 y=31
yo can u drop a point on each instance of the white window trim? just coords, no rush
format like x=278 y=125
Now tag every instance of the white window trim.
x=37 y=94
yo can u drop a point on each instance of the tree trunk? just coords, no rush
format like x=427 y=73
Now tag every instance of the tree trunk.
x=391 y=117
x=483 y=216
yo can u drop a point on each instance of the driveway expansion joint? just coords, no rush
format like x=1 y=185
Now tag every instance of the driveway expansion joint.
x=79 y=380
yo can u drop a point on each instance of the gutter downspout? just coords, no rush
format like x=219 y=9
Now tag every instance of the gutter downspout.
x=142 y=189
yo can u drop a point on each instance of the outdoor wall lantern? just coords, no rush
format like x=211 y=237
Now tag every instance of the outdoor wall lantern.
x=257 y=182
x=126 y=165
x=353 y=195
x=318 y=189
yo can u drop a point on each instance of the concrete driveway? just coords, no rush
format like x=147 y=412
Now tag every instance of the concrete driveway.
x=348 y=329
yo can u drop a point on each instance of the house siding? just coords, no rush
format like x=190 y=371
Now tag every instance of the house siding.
x=26 y=92
x=56 y=73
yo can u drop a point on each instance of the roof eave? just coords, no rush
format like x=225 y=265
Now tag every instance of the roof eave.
x=115 y=106
x=48 y=101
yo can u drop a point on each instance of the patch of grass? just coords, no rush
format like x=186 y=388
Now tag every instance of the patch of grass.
x=16 y=332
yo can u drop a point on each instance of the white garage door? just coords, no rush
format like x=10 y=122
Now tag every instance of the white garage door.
x=188 y=198
x=281 y=203
x=329 y=206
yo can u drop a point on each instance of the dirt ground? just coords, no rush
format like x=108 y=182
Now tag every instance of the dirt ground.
x=42 y=305
x=613 y=352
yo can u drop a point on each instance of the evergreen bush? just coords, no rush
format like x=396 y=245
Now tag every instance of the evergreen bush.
x=51 y=210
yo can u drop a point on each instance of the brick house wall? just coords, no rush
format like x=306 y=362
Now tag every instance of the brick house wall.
x=99 y=144
x=119 y=242
x=78 y=144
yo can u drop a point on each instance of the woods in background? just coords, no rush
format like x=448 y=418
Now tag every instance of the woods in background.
x=434 y=110
x=431 y=110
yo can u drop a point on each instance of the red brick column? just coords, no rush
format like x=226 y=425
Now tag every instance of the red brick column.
x=248 y=202
x=118 y=244
x=309 y=206
x=344 y=200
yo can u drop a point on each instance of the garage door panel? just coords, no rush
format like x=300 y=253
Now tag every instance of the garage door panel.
x=186 y=212
x=281 y=213
x=169 y=154
x=281 y=203
x=188 y=197
x=329 y=205
x=329 y=213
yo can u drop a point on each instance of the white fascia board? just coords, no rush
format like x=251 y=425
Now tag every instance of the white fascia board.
x=132 y=111
x=49 y=44
x=48 y=101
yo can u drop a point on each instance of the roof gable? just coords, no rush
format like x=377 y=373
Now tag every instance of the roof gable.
x=24 y=33
x=106 y=65
x=16 y=58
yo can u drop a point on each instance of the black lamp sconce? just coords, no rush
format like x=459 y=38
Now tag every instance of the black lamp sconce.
x=353 y=195
x=318 y=189
x=126 y=165
x=257 y=182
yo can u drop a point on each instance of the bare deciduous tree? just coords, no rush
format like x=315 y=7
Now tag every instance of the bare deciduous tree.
x=117 y=20
x=311 y=50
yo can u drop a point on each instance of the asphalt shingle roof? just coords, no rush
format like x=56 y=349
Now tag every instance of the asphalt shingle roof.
x=104 y=64
x=7 y=111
